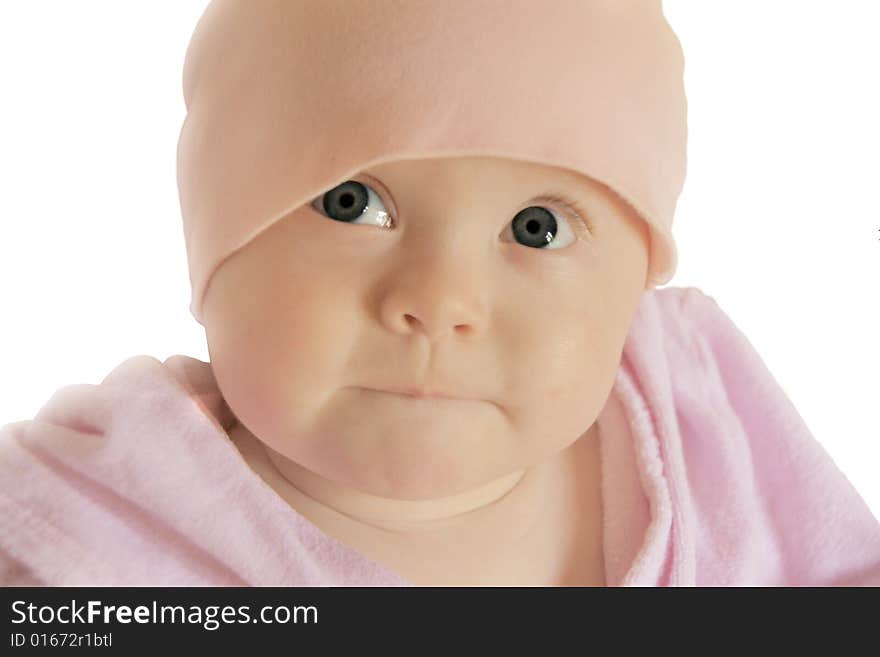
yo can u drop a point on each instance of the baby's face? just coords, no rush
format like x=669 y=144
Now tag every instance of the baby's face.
x=440 y=283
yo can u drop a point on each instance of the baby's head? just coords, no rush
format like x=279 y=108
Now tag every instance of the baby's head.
x=456 y=275
x=455 y=197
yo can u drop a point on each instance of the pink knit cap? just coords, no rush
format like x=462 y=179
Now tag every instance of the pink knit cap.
x=287 y=99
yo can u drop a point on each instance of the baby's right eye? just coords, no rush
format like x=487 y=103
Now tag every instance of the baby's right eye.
x=350 y=201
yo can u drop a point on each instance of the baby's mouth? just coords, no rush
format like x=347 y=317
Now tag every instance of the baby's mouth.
x=416 y=396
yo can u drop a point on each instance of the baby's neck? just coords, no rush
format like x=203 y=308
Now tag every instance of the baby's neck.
x=523 y=522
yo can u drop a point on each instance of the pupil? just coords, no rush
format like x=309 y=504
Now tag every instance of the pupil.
x=346 y=200
x=532 y=226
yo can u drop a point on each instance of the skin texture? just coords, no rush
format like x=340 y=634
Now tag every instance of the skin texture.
x=311 y=322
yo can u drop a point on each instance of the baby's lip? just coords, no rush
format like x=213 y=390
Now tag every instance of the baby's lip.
x=420 y=393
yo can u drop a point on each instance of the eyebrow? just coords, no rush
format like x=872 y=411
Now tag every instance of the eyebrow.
x=585 y=192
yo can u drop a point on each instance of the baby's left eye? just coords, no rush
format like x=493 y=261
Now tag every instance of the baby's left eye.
x=536 y=226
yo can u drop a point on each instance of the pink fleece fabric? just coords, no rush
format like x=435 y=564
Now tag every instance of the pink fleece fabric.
x=709 y=478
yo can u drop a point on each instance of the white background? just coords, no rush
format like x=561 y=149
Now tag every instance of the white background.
x=778 y=221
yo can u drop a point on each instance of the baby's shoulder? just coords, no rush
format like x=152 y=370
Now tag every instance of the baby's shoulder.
x=141 y=393
x=690 y=307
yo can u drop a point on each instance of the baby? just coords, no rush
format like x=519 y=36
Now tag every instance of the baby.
x=424 y=240
x=419 y=384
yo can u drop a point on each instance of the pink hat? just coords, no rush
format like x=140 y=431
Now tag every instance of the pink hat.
x=287 y=99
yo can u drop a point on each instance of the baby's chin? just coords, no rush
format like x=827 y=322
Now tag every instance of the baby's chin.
x=429 y=465
x=402 y=449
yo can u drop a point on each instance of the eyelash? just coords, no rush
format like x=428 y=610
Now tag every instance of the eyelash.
x=583 y=225
x=580 y=215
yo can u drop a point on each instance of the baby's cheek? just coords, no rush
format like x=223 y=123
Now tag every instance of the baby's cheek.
x=259 y=376
x=567 y=385
x=575 y=403
x=287 y=382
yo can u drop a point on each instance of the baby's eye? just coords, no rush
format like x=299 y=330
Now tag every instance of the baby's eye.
x=353 y=201
x=350 y=201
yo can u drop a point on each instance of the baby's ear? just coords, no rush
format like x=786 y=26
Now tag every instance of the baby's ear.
x=197 y=378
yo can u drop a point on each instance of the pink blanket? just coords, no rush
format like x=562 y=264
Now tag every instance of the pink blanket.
x=709 y=478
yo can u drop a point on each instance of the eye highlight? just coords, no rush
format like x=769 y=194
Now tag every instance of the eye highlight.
x=354 y=201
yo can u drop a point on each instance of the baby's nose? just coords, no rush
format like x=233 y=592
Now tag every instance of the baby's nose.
x=436 y=296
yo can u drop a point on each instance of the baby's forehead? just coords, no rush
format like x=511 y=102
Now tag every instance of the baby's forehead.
x=479 y=168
